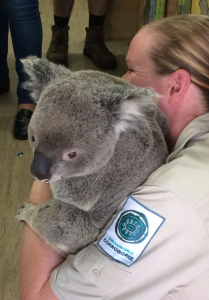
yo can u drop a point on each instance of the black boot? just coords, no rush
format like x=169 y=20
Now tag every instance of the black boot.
x=58 y=49
x=4 y=85
x=96 y=49
x=21 y=123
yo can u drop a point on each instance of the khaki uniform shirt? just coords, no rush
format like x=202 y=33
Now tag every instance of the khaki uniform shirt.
x=173 y=255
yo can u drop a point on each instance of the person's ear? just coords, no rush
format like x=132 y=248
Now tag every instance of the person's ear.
x=179 y=84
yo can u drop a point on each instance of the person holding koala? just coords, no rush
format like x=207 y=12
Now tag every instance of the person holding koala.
x=160 y=250
x=94 y=47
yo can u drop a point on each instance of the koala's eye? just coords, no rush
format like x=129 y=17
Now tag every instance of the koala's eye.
x=33 y=138
x=72 y=155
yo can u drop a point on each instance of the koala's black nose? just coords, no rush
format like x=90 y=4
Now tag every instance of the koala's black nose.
x=41 y=165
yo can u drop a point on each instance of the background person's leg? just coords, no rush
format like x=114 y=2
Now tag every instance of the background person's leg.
x=4 y=71
x=58 y=49
x=95 y=47
x=26 y=31
x=98 y=7
x=63 y=8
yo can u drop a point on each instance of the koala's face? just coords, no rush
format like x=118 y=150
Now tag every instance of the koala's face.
x=78 y=119
x=71 y=133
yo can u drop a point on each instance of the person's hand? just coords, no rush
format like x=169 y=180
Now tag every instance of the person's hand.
x=40 y=192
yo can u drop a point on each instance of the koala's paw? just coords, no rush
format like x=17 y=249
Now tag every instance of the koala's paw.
x=25 y=212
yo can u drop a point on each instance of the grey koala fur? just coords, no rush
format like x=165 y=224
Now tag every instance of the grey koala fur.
x=117 y=132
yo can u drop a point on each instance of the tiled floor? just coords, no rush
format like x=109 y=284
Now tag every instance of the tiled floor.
x=15 y=178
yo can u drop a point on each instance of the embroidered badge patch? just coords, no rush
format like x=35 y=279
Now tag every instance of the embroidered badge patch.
x=130 y=232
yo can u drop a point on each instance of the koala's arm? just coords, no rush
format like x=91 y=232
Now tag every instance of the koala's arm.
x=63 y=226
x=37 y=259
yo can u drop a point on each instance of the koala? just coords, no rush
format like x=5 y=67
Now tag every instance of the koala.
x=95 y=139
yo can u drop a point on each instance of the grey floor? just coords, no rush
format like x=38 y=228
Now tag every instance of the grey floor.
x=15 y=178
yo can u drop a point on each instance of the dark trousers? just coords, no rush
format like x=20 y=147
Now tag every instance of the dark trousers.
x=23 y=19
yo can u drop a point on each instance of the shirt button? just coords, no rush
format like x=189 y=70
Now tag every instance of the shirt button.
x=95 y=272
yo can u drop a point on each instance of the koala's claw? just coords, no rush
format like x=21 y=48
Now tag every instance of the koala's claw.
x=25 y=212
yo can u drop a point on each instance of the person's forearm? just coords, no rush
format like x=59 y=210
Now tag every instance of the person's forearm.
x=37 y=259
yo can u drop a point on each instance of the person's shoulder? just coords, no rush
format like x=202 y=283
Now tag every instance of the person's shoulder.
x=187 y=174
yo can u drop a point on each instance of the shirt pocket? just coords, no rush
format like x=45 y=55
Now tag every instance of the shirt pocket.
x=101 y=271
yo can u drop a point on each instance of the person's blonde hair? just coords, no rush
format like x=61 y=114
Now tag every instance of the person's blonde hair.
x=182 y=42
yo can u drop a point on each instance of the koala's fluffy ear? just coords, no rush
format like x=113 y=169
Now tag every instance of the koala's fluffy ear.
x=128 y=115
x=40 y=73
x=137 y=104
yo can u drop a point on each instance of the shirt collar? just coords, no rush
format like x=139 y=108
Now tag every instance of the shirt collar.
x=194 y=129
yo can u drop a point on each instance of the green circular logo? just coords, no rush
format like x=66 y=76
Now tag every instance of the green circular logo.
x=132 y=227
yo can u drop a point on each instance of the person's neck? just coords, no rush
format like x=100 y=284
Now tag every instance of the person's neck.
x=177 y=125
x=173 y=134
